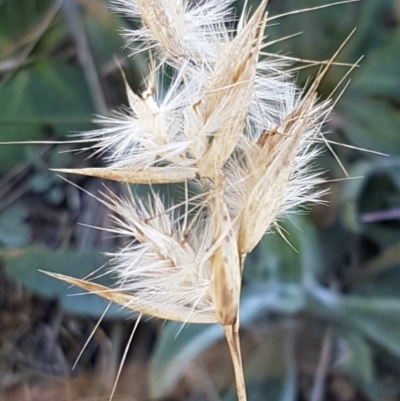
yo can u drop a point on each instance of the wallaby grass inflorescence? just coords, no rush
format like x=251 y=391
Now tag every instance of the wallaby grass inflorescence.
x=231 y=123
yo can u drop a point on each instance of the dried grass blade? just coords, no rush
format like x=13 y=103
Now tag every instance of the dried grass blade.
x=230 y=91
x=180 y=314
x=153 y=175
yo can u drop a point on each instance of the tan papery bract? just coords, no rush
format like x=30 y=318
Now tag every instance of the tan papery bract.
x=225 y=264
x=266 y=197
x=232 y=87
x=153 y=175
x=179 y=314
x=165 y=20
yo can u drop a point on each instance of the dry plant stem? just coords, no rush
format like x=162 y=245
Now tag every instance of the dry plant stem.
x=77 y=29
x=318 y=391
x=232 y=337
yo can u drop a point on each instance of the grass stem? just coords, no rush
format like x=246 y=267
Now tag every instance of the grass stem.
x=232 y=337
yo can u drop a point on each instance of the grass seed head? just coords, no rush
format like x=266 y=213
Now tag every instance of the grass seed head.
x=233 y=123
x=230 y=121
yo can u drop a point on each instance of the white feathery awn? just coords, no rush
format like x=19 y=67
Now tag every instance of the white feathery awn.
x=230 y=124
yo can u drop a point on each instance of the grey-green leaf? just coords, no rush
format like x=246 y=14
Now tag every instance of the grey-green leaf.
x=23 y=266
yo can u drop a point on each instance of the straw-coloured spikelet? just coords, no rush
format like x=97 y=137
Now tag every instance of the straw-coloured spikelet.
x=230 y=124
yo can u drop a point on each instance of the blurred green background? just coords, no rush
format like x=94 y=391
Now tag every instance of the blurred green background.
x=322 y=323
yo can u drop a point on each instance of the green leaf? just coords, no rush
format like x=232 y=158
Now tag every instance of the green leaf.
x=382 y=331
x=42 y=182
x=272 y=388
x=175 y=350
x=11 y=155
x=17 y=17
x=23 y=266
x=381 y=277
x=378 y=190
x=377 y=318
x=274 y=259
x=371 y=123
x=45 y=95
x=356 y=357
x=370 y=105
x=14 y=232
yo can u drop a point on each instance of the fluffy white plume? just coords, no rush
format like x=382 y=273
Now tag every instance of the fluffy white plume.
x=165 y=262
x=178 y=29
